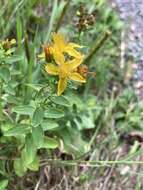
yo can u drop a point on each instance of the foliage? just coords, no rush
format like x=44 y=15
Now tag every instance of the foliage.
x=34 y=121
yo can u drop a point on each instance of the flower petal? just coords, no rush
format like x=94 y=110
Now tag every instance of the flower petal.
x=62 y=84
x=74 y=45
x=77 y=77
x=51 y=69
x=72 y=52
x=59 y=40
x=74 y=63
x=58 y=56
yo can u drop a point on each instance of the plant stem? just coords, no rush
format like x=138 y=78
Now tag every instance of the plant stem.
x=61 y=16
x=97 y=46
x=1 y=111
x=30 y=55
x=27 y=51
x=91 y=163
x=94 y=135
x=52 y=19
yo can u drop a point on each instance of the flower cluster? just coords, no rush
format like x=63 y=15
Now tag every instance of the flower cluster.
x=6 y=45
x=66 y=61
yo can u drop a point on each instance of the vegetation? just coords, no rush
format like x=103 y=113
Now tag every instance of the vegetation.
x=69 y=117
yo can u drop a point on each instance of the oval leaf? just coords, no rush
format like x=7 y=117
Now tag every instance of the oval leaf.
x=19 y=167
x=5 y=73
x=49 y=125
x=20 y=129
x=10 y=60
x=53 y=113
x=29 y=152
x=34 y=166
x=23 y=110
x=50 y=143
x=38 y=136
x=61 y=100
x=37 y=116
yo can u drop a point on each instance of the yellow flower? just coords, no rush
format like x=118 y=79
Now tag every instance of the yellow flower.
x=65 y=70
x=6 y=45
x=60 y=46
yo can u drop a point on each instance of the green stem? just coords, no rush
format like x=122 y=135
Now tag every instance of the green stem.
x=1 y=111
x=91 y=163
x=61 y=16
x=54 y=10
x=87 y=88
x=30 y=54
x=97 y=46
x=27 y=51
x=94 y=135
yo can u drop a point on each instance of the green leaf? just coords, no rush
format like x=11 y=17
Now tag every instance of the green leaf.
x=49 y=125
x=52 y=18
x=37 y=116
x=50 y=143
x=11 y=99
x=5 y=73
x=20 y=129
x=34 y=166
x=3 y=184
x=38 y=136
x=19 y=167
x=61 y=100
x=73 y=142
x=15 y=72
x=119 y=115
x=19 y=29
x=24 y=110
x=9 y=89
x=3 y=168
x=85 y=121
x=36 y=87
x=53 y=113
x=75 y=99
x=88 y=121
x=11 y=60
x=7 y=126
x=29 y=152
